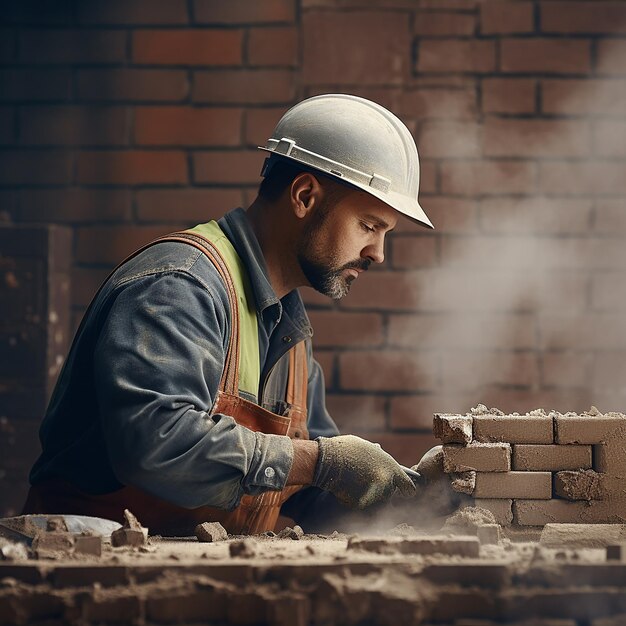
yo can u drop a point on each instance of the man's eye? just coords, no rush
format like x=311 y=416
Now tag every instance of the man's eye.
x=367 y=227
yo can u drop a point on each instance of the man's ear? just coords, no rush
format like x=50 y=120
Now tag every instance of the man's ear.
x=305 y=194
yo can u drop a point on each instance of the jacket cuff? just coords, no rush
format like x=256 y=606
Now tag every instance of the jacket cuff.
x=271 y=463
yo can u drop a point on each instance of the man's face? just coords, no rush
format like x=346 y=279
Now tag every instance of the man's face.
x=342 y=239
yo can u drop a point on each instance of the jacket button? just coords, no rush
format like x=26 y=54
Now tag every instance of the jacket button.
x=297 y=434
x=287 y=339
x=269 y=472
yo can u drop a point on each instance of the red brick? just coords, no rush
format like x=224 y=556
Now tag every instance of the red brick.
x=610 y=56
x=136 y=12
x=395 y=371
x=110 y=244
x=187 y=126
x=232 y=167
x=609 y=216
x=244 y=87
x=23 y=167
x=449 y=139
x=326 y=361
x=401 y=291
x=449 y=215
x=357 y=413
x=542 y=216
x=407 y=449
x=244 y=11
x=429 y=24
x=73 y=125
x=416 y=412
x=506 y=17
x=273 y=46
x=346 y=47
x=565 y=370
x=335 y=328
x=31 y=84
x=414 y=252
x=584 y=17
x=584 y=331
x=72 y=204
x=188 y=46
x=570 y=178
x=607 y=291
x=132 y=167
x=78 y=47
x=461 y=330
x=488 y=368
x=260 y=123
x=583 y=97
x=189 y=204
x=508 y=95
x=428 y=176
x=609 y=139
x=508 y=485
x=545 y=56
x=487 y=177
x=425 y=102
x=607 y=371
x=135 y=84
x=455 y=55
x=540 y=138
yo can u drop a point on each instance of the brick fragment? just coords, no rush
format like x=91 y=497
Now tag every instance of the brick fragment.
x=535 y=485
x=582 y=535
x=541 y=512
x=209 y=532
x=127 y=537
x=48 y=544
x=243 y=548
x=551 y=458
x=88 y=544
x=481 y=457
x=580 y=485
x=502 y=509
x=616 y=552
x=294 y=533
x=513 y=428
x=489 y=534
x=452 y=428
x=464 y=482
x=462 y=546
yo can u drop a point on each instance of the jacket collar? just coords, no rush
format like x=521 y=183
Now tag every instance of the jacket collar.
x=239 y=231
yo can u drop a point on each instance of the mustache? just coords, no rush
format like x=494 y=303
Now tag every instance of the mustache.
x=359 y=264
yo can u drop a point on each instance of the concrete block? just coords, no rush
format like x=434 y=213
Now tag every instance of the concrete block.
x=481 y=457
x=551 y=458
x=586 y=429
x=208 y=532
x=541 y=512
x=434 y=544
x=582 y=535
x=536 y=429
x=452 y=428
x=489 y=534
x=616 y=552
x=502 y=509
x=580 y=485
x=510 y=485
x=464 y=482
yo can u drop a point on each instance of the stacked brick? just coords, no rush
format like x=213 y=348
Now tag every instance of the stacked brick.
x=538 y=468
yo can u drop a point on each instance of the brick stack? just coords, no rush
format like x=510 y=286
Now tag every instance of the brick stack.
x=538 y=468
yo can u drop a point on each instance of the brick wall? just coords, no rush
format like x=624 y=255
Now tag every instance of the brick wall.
x=126 y=119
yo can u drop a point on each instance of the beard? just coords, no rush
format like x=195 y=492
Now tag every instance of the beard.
x=324 y=272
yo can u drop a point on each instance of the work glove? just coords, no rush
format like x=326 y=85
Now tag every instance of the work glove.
x=359 y=473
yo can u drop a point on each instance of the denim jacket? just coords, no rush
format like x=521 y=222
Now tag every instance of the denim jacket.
x=131 y=404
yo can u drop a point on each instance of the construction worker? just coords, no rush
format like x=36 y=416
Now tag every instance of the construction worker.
x=190 y=393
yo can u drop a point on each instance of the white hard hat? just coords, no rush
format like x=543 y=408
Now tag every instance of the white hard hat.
x=354 y=140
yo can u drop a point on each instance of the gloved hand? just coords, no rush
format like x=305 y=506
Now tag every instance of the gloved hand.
x=359 y=473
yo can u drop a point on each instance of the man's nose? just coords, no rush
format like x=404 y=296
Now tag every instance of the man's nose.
x=375 y=252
